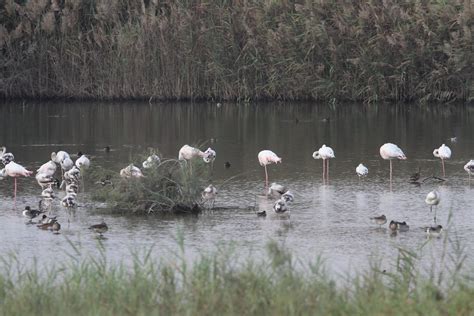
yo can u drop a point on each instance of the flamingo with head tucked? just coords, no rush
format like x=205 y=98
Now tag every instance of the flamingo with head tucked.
x=266 y=157
x=324 y=153
x=391 y=151
x=15 y=170
x=469 y=167
x=443 y=152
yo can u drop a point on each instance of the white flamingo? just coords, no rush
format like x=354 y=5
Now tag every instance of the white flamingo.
x=443 y=152
x=45 y=180
x=48 y=168
x=469 y=167
x=324 y=153
x=5 y=157
x=131 y=172
x=151 y=161
x=66 y=164
x=83 y=162
x=266 y=157
x=15 y=170
x=209 y=195
x=391 y=151
x=432 y=199
x=362 y=170
x=187 y=153
x=59 y=156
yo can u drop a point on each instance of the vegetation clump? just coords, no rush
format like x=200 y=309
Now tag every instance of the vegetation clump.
x=171 y=186
x=238 y=50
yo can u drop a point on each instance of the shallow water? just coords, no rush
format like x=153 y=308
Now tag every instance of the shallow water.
x=329 y=220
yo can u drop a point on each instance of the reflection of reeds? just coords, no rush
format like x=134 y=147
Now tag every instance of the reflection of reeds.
x=335 y=50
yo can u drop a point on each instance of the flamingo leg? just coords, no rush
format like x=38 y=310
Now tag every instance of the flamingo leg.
x=327 y=171
x=266 y=176
x=324 y=170
x=436 y=209
x=391 y=171
x=442 y=163
x=14 y=191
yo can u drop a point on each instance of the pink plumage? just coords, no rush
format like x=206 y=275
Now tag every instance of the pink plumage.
x=266 y=157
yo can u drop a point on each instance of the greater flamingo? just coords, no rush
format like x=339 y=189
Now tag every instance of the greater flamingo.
x=362 y=170
x=443 y=152
x=324 y=153
x=187 y=153
x=5 y=157
x=48 y=168
x=266 y=157
x=391 y=151
x=131 y=172
x=152 y=161
x=432 y=199
x=469 y=167
x=209 y=155
x=15 y=170
x=209 y=195
x=82 y=161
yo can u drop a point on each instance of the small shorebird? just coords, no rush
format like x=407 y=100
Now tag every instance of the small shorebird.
x=362 y=170
x=379 y=220
x=443 y=152
x=99 y=228
x=434 y=231
x=267 y=157
x=30 y=214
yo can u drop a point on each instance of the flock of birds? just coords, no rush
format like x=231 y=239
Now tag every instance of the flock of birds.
x=280 y=196
x=45 y=176
x=389 y=152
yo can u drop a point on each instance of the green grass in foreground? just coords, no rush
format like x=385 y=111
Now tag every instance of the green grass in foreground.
x=216 y=285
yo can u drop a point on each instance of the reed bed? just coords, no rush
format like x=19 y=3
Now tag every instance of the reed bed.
x=172 y=187
x=215 y=285
x=243 y=50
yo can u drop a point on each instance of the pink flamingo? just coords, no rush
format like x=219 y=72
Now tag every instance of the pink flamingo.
x=324 y=153
x=443 y=152
x=187 y=153
x=15 y=170
x=391 y=151
x=266 y=157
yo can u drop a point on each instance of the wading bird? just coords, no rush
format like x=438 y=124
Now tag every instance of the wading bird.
x=391 y=151
x=30 y=214
x=210 y=155
x=152 y=161
x=362 y=170
x=131 y=172
x=443 y=152
x=432 y=199
x=5 y=157
x=187 y=153
x=266 y=157
x=209 y=195
x=82 y=161
x=15 y=170
x=324 y=153
x=469 y=167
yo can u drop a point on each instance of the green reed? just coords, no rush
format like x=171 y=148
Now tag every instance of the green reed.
x=245 y=50
x=222 y=283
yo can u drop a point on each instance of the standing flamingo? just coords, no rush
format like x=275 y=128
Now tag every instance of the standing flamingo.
x=469 y=167
x=187 y=153
x=443 y=153
x=391 y=151
x=48 y=168
x=324 y=153
x=15 y=170
x=82 y=161
x=266 y=157
x=432 y=199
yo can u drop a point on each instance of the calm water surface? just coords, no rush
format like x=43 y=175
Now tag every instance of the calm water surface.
x=329 y=220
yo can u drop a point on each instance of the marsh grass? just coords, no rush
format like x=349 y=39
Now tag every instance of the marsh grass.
x=170 y=187
x=238 y=50
x=215 y=284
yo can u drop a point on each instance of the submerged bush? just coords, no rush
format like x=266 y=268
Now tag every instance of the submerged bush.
x=238 y=50
x=171 y=186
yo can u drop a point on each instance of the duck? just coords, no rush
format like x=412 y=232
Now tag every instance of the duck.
x=99 y=228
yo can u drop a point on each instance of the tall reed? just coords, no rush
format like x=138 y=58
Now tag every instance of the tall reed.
x=238 y=50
